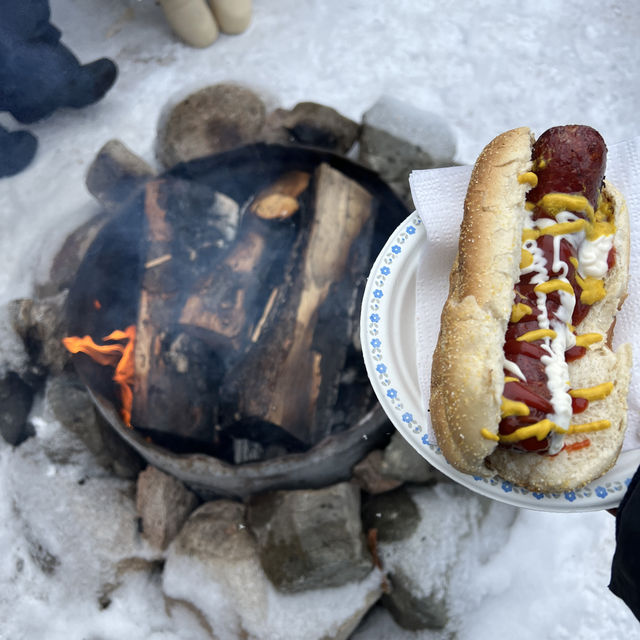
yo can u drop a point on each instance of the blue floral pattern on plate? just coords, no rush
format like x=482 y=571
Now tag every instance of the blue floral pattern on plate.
x=379 y=281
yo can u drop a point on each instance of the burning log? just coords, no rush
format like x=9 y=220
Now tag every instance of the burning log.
x=290 y=378
x=280 y=200
x=230 y=305
x=176 y=376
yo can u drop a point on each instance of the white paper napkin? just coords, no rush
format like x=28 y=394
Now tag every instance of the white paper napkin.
x=439 y=195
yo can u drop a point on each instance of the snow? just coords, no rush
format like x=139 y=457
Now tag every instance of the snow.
x=483 y=66
x=267 y=613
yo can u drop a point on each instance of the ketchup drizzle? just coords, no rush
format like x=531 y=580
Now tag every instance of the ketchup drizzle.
x=526 y=355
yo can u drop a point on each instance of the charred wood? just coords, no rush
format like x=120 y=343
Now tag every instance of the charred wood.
x=229 y=307
x=176 y=375
x=291 y=377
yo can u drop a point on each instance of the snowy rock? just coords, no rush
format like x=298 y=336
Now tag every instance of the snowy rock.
x=400 y=460
x=310 y=539
x=397 y=138
x=311 y=124
x=68 y=401
x=163 y=504
x=16 y=397
x=411 y=609
x=213 y=566
x=78 y=526
x=41 y=324
x=394 y=515
x=116 y=174
x=368 y=475
x=214 y=119
x=421 y=567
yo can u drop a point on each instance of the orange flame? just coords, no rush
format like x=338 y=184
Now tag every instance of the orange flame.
x=115 y=355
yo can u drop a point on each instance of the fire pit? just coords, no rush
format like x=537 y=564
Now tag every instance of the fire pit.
x=215 y=318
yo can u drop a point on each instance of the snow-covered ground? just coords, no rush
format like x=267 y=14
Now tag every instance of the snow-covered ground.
x=484 y=66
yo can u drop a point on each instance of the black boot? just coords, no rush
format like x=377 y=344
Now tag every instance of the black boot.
x=17 y=149
x=90 y=82
x=38 y=74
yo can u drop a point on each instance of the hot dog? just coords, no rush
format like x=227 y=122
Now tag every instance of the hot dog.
x=524 y=381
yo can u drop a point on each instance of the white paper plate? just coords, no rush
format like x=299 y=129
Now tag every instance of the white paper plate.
x=387 y=331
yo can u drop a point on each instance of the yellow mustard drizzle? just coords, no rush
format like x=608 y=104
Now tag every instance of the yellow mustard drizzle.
x=587 y=339
x=598 y=229
x=510 y=379
x=599 y=223
x=592 y=289
x=562 y=228
x=599 y=392
x=529 y=206
x=553 y=285
x=485 y=433
x=519 y=311
x=513 y=408
x=597 y=425
x=540 y=430
x=530 y=234
x=603 y=223
x=526 y=259
x=554 y=203
x=537 y=334
x=528 y=178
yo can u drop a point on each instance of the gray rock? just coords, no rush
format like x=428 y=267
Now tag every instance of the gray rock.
x=41 y=324
x=311 y=124
x=401 y=461
x=410 y=610
x=394 y=515
x=116 y=174
x=397 y=138
x=368 y=475
x=68 y=401
x=310 y=539
x=16 y=397
x=67 y=261
x=163 y=504
x=214 y=119
x=216 y=530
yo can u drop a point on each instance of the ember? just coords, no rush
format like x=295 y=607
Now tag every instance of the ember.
x=115 y=355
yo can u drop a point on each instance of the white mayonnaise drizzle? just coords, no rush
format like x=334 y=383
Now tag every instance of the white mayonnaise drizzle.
x=556 y=368
x=592 y=257
x=592 y=261
x=513 y=368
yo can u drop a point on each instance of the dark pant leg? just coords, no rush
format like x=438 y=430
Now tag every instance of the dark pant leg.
x=625 y=567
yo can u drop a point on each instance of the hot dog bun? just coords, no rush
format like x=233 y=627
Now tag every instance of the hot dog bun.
x=467 y=379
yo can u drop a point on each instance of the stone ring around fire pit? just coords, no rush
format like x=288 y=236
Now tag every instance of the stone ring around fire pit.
x=217 y=313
